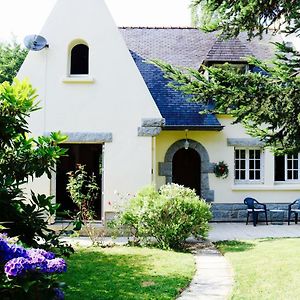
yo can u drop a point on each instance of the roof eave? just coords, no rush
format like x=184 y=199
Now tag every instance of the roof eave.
x=193 y=127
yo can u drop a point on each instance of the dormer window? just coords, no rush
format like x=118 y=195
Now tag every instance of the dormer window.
x=228 y=53
x=240 y=68
x=79 y=64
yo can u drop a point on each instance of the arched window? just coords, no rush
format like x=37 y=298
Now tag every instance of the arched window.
x=79 y=60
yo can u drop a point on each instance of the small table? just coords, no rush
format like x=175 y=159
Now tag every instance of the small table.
x=277 y=216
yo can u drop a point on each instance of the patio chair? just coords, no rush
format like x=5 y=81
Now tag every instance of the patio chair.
x=254 y=207
x=294 y=208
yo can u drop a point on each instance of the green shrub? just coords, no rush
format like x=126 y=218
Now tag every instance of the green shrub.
x=170 y=215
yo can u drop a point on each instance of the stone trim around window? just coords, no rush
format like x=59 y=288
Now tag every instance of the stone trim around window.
x=244 y=142
x=86 y=137
x=165 y=168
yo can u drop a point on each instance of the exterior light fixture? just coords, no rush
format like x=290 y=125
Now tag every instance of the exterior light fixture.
x=186 y=143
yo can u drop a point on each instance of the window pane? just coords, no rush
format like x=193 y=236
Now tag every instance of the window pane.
x=237 y=153
x=257 y=154
x=251 y=164
x=237 y=164
x=257 y=164
x=80 y=59
x=295 y=174
x=257 y=175
x=295 y=164
x=237 y=175
x=243 y=164
x=243 y=175
x=279 y=168
x=289 y=164
x=251 y=153
x=243 y=153
x=290 y=175
x=251 y=175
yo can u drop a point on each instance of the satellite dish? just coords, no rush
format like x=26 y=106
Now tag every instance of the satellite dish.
x=35 y=42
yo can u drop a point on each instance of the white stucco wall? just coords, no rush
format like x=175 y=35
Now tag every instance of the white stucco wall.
x=113 y=98
x=226 y=190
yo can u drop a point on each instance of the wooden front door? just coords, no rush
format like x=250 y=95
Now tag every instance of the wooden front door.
x=186 y=168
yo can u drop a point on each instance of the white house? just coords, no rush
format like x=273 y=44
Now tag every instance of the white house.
x=129 y=129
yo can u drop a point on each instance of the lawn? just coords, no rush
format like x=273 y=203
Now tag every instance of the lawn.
x=127 y=273
x=264 y=269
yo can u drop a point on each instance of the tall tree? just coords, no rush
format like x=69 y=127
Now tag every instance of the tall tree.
x=267 y=105
x=12 y=56
x=252 y=16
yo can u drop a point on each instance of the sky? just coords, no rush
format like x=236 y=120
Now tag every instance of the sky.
x=23 y=17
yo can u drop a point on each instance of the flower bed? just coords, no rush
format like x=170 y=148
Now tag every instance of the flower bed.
x=29 y=273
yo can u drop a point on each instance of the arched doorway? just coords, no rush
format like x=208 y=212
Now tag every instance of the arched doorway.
x=186 y=166
x=205 y=166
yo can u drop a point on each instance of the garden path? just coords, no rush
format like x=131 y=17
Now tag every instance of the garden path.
x=213 y=279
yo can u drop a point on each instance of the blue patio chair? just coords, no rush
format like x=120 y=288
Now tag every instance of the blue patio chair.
x=254 y=207
x=294 y=208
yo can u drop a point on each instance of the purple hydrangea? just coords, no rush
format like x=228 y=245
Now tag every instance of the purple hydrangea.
x=4 y=250
x=17 y=251
x=56 y=265
x=19 y=260
x=8 y=251
x=37 y=263
x=48 y=255
x=16 y=267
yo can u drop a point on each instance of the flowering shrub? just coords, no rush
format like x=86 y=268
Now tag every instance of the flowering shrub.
x=170 y=215
x=29 y=273
x=84 y=191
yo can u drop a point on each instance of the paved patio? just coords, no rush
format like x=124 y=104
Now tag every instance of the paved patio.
x=241 y=231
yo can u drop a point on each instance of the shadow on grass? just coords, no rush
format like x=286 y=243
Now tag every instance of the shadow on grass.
x=98 y=275
x=234 y=246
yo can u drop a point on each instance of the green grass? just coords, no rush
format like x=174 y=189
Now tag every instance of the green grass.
x=127 y=273
x=264 y=269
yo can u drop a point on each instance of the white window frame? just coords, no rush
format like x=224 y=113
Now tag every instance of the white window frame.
x=286 y=169
x=247 y=166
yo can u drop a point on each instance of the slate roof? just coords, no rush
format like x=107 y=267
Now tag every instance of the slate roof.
x=231 y=50
x=185 y=47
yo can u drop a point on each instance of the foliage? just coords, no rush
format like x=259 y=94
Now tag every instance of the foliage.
x=221 y=170
x=22 y=158
x=170 y=215
x=29 y=273
x=267 y=105
x=252 y=16
x=12 y=56
x=278 y=280
x=127 y=273
x=84 y=190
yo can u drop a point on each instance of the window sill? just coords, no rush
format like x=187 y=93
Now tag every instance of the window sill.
x=261 y=187
x=78 y=79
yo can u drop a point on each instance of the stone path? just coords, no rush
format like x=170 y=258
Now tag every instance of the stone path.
x=213 y=279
